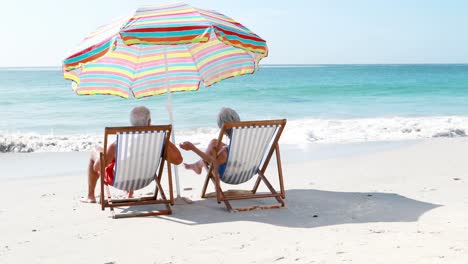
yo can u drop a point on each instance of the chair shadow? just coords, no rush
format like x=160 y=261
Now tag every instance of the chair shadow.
x=308 y=208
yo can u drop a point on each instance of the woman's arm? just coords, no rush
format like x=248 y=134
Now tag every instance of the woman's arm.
x=189 y=146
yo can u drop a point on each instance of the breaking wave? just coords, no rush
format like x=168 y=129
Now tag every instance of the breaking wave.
x=297 y=132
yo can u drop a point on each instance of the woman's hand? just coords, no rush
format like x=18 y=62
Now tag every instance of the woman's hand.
x=186 y=145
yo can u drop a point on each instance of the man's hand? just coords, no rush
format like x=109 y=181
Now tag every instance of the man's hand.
x=187 y=145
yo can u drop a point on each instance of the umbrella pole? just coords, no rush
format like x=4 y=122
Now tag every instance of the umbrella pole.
x=179 y=199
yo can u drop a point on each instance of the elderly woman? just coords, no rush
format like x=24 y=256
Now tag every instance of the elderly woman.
x=226 y=115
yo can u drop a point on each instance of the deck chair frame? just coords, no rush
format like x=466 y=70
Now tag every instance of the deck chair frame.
x=108 y=201
x=226 y=196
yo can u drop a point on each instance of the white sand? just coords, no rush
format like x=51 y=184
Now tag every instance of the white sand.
x=392 y=205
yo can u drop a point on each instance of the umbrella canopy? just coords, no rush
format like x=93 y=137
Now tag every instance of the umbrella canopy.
x=178 y=24
x=140 y=70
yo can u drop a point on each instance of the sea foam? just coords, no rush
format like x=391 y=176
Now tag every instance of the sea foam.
x=374 y=129
x=297 y=132
x=32 y=142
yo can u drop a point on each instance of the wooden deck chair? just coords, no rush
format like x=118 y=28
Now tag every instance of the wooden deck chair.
x=251 y=147
x=140 y=158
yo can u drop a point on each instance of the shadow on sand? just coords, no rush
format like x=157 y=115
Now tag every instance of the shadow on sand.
x=307 y=208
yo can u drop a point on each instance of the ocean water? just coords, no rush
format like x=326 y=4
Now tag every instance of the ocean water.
x=323 y=104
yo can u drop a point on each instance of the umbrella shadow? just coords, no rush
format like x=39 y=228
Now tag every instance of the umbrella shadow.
x=308 y=208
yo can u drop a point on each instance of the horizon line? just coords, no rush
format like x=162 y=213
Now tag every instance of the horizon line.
x=287 y=64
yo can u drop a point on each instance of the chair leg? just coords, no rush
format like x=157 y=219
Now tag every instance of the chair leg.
x=143 y=201
x=280 y=171
x=101 y=180
x=255 y=188
x=156 y=188
x=222 y=196
x=205 y=186
x=207 y=180
x=272 y=190
x=274 y=194
x=226 y=202
x=226 y=199
x=218 y=190
x=155 y=196
x=101 y=198
x=169 y=176
x=228 y=206
x=109 y=201
x=163 y=196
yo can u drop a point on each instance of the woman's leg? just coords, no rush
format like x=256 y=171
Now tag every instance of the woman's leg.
x=198 y=166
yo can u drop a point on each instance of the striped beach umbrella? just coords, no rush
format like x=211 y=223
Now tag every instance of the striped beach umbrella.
x=145 y=70
x=163 y=49
x=219 y=46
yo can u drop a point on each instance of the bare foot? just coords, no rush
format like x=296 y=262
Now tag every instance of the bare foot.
x=197 y=169
x=88 y=199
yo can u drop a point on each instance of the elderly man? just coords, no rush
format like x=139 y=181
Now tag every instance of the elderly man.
x=140 y=116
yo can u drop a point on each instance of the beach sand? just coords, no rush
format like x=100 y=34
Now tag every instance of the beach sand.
x=362 y=203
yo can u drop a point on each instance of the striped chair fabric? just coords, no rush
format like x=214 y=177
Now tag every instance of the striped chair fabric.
x=138 y=157
x=247 y=149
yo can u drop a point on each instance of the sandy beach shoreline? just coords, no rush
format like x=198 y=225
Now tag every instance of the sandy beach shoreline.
x=403 y=203
x=367 y=101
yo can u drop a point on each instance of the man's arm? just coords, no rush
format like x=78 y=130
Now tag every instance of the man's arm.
x=173 y=154
x=110 y=154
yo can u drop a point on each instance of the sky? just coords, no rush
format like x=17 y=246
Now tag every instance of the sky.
x=42 y=33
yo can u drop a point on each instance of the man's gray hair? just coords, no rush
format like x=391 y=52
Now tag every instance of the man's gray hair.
x=140 y=116
x=227 y=115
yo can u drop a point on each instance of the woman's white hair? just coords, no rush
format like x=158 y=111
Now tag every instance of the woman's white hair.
x=140 y=116
x=227 y=115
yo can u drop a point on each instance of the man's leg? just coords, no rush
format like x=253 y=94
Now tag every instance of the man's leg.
x=93 y=175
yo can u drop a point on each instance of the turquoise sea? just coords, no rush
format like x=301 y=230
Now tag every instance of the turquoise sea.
x=323 y=103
